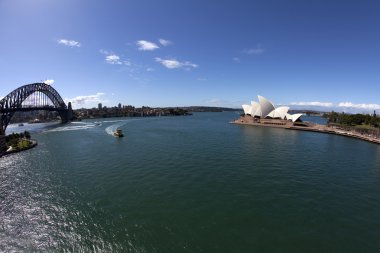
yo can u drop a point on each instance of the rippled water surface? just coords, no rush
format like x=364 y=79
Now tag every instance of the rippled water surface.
x=189 y=184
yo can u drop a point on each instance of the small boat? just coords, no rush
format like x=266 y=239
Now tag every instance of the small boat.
x=20 y=124
x=118 y=133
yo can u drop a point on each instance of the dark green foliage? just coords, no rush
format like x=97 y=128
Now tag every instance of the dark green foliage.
x=14 y=138
x=27 y=135
x=353 y=119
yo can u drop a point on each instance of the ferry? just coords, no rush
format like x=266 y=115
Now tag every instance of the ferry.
x=118 y=133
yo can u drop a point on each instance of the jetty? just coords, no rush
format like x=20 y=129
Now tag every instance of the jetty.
x=304 y=126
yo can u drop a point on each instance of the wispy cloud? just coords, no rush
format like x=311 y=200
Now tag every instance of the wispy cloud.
x=216 y=102
x=127 y=63
x=165 y=42
x=359 y=106
x=146 y=45
x=49 y=82
x=174 y=64
x=69 y=43
x=342 y=106
x=113 y=59
x=102 y=51
x=236 y=59
x=254 y=51
x=223 y=103
x=83 y=100
x=323 y=104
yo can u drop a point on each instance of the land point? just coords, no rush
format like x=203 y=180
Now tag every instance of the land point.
x=303 y=126
x=263 y=113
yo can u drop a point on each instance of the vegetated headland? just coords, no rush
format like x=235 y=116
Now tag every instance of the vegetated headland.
x=361 y=126
x=17 y=142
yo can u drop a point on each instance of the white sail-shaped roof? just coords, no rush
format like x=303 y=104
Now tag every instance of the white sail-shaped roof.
x=293 y=117
x=266 y=106
x=279 y=112
x=247 y=109
x=254 y=108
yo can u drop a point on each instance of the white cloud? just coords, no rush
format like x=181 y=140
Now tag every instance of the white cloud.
x=113 y=59
x=174 y=64
x=69 y=43
x=49 y=82
x=359 y=106
x=223 y=103
x=102 y=51
x=323 y=104
x=165 y=42
x=82 y=100
x=149 y=69
x=236 y=59
x=215 y=102
x=146 y=45
x=127 y=63
x=255 y=51
x=343 y=106
x=202 y=79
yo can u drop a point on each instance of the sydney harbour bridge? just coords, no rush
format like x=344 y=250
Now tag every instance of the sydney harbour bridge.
x=31 y=97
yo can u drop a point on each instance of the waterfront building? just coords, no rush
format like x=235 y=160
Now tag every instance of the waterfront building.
x=100 y=106
x=264 y=109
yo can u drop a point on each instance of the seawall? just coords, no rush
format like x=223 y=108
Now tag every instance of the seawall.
x=306 y=126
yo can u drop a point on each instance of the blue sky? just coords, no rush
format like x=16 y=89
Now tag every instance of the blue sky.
x=182 y=53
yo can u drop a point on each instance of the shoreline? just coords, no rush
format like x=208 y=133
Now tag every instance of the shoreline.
x=311 y=127
x=32 y=145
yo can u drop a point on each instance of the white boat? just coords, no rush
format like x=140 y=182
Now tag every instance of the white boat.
x=118 y=133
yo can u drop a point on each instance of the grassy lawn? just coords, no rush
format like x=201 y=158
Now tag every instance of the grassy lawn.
x=366 y=127
x=23 y=144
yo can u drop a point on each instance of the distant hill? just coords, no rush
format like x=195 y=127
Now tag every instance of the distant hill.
x=307 y=112
x=209 y=109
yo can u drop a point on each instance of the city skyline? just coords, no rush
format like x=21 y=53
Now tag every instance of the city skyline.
x=318 y=54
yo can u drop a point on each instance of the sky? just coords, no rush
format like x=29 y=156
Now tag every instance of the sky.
x=307 y=54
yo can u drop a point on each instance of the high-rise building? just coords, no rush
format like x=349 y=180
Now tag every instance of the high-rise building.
x=100 y=106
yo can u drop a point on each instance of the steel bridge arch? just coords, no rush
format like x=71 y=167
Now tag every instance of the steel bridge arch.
x=13 y=102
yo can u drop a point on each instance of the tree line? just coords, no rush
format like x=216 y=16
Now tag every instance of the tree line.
x=353 y=119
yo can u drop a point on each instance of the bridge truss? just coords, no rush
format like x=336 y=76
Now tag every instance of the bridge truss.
x=30 y=97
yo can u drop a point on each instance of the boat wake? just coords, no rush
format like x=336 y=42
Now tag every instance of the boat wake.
x=112 y=128
x=72 y=126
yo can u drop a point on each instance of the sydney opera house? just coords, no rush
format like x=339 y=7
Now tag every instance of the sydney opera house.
x=265 y=110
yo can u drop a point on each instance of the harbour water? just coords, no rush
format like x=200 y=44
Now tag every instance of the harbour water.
x=189 y=184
